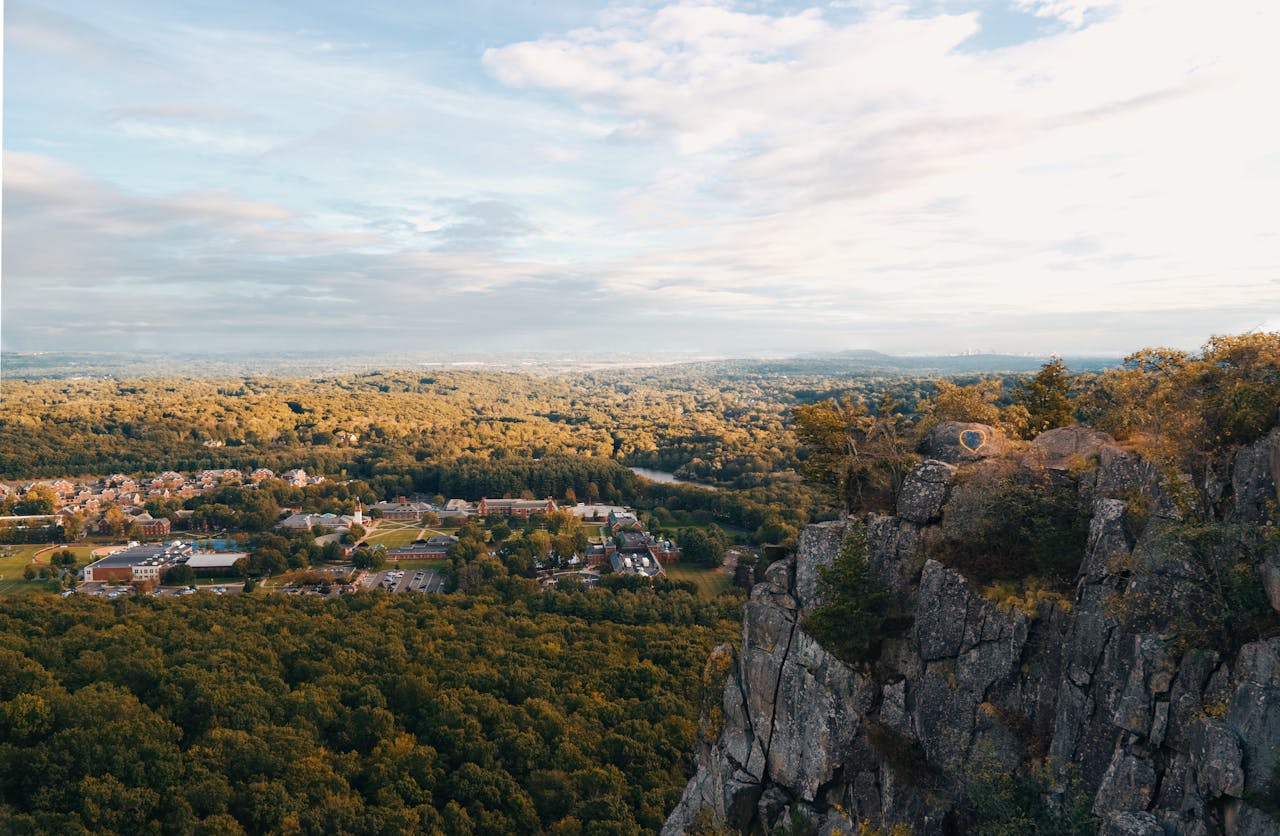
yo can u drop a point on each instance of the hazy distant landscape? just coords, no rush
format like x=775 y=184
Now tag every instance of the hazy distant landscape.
x=56 y=364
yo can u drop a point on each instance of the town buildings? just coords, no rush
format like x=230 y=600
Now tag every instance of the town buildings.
x=137 y=562
x=516 y=507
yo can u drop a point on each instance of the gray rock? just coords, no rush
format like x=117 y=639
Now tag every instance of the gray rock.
x=1217 y=758
x=1122 y=474
x=1062 y=447
x=1159 y=723
x=1254 y=711
x=818 y=546
x=823 y=703
x=894 y=553
x=1127 y=823
x=924 y=491
x=941 y=612
x=1109 y=547
x=1164 y=744
x=1150 y=675
x=955 y=442
x=1128 y=785
x=893 y=708
x=1186 y=701
x=1253 y=478
x=1270 y=572
x=1245 y=820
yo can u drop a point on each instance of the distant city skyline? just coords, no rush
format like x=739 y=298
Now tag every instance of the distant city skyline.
x=1080 y=177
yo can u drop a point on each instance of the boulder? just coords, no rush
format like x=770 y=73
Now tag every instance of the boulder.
x=924 y=491
x=1060 y=447
x=955 y=442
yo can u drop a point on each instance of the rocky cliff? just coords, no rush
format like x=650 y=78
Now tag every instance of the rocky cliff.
x=1110 y=701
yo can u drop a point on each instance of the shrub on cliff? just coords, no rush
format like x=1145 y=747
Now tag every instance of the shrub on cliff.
x=1005 y=527
x=850 y=622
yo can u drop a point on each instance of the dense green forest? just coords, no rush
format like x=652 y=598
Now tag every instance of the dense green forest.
x=505 y=711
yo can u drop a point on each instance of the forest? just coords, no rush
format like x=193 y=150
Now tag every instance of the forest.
x=505 y=711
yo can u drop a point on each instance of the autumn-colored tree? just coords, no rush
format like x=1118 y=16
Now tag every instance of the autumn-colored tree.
x=978 y=402
x=39 y=499
x=861 y=456
x=114 y=522
x=1047 y=398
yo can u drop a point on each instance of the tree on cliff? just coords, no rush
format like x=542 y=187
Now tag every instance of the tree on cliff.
x=983 y=402
x=1047 y=398
x=859 y=455
x=849 y=622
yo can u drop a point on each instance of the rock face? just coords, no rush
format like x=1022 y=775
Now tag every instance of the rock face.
x=955 y=442
x=1155 y=737
x=924 y=491
x=1064 y=447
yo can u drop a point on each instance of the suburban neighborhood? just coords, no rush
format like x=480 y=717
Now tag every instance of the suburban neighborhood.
x=156 y=536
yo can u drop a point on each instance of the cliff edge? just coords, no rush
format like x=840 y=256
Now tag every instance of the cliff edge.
x=1123 y=705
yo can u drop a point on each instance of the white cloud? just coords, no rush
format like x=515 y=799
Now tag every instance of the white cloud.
x=775 y=178
x=1072 y=12
x=1116 y=165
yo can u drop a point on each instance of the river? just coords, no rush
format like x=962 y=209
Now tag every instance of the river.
x=669 y=478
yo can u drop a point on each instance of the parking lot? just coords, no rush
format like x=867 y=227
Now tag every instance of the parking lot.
x=406 y=580
x=104 y=590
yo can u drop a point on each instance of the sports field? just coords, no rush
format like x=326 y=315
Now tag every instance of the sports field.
x=393 y=534
x=710 y=582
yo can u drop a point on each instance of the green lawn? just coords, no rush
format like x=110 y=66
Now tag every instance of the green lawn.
x=394 y=535
x=12 y=562
x=710 y=582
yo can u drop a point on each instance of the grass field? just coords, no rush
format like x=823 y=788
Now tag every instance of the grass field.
x=12 y=563
x=393 y=538
x=710 y=582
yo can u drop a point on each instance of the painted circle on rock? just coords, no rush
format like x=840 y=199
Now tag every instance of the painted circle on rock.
x=971 y=440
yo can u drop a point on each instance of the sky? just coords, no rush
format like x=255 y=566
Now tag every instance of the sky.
x=729 y=178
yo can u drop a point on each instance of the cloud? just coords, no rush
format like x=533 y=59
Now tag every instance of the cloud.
x=1072 y=12
x=896 y=175
x=836 y=159
x=31 y=27
x=220 y=268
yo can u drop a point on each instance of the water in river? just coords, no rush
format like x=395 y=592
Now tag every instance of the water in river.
x=669 y=478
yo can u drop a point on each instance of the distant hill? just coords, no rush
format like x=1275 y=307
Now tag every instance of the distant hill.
x=874 y=362
x=32 y=365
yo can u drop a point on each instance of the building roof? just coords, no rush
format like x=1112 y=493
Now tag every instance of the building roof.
x=520 y=503
x=136 y=554
x=215 y=560
x=597 y=510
